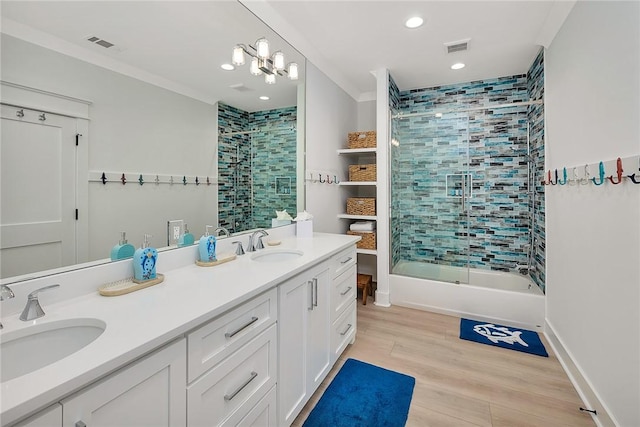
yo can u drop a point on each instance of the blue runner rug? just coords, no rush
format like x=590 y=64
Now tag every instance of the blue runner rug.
x=502 y=336
x=364 y=395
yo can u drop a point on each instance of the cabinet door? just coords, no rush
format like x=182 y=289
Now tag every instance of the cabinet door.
x=319 y=330
x=295 y=303
x=149 y=392
x=304 y=352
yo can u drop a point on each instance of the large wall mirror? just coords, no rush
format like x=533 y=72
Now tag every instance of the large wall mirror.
x=94 y=92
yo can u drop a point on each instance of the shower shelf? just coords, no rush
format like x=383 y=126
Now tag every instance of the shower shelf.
x=347 y=216
x=357 y=150
x=367 y=251
x=357 y=183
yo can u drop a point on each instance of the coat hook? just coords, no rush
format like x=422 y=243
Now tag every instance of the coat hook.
x=320 y=178
x=140 y=180
x=548 y=180
x=556 y=176
x=587 y=176
x=184 y=180
x=157 y=180
x=329 y=179
x=123 y=179
x=632 y=177
x=335 y=179
x=197 y=182
x=208 y=181
x=601 y=173
x=171 y=180
x=564 y=176
x=20 y=113
x=103 y=178
x=619 y=171
x=574 y=179
x=42 y=117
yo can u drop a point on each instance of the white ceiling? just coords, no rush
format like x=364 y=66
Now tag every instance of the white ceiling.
x=181 y=44
x=348 y=40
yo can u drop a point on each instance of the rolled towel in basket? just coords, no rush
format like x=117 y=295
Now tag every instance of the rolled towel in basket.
x=363 y=226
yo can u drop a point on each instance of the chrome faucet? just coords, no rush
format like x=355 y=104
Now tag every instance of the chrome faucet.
x=224 y=230
x=5 y=293
x=239 y=248
x=255 y=240
x=33 y=310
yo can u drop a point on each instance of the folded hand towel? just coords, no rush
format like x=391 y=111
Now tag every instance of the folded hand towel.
x=363 y=226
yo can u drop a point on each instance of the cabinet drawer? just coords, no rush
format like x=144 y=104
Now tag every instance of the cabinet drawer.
x=343 y=331
x=214 y=341
x=262 y=415
x=235 y=385
x=343 y=291
x=343 y=260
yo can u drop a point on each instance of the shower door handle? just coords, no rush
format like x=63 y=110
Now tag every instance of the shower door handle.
x=463 y=194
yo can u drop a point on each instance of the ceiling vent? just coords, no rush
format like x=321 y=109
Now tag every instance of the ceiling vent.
x=240 y=88
x=100 y=42
x=457 y=46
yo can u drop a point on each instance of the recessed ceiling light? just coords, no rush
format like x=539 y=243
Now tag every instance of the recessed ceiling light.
x=457 y=66
x=227 y=67
x=414 y=22
x=264 y=98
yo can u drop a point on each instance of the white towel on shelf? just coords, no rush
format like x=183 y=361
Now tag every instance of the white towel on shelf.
x=363 y=226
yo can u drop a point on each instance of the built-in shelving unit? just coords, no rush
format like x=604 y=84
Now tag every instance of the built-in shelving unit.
x=353 y=185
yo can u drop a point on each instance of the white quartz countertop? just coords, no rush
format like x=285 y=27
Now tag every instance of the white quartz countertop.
x=142 y=321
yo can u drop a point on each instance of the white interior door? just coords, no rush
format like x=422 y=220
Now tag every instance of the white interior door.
x=38 y=191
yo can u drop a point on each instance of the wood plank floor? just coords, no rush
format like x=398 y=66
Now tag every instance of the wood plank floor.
x=460 y=383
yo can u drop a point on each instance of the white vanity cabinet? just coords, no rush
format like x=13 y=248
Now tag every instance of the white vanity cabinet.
x=233 y=366
x=304 y=325
x=149 y=392
x=343 y=301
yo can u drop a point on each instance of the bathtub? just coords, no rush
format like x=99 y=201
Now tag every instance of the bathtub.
x=492 y=296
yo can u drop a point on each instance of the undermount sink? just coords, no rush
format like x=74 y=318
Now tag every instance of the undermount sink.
x=276 y=255
x=29 y=349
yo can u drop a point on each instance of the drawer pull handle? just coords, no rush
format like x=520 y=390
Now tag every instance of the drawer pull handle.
x=346 y=260
x=228 y=397
x=315 y=292
x=310 y=282
x=80 y=424
x=346 y=291
x=241 y=328
x=346 y=330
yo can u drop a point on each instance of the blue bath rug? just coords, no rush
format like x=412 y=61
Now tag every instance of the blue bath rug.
x=502 y=336
x=364 y=395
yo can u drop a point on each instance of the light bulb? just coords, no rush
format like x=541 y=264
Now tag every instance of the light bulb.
x=254 y=68
x=293 y=71
x=270 y=79
x=262 y=48
x=237 y=58
x=278 y=61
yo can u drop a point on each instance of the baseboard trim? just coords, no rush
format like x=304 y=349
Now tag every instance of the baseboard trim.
x=382 y=299
x=585 y=391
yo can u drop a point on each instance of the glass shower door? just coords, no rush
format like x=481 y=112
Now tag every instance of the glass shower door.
x=430 y=191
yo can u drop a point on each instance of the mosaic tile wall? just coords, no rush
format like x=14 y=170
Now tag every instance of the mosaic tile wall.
x=428 y=223
x=249 y=163
x=394 y=220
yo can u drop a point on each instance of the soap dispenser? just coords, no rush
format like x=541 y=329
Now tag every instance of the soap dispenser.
x=207 y=246
x=123 y=249
x=144 y=262
x=187 y=238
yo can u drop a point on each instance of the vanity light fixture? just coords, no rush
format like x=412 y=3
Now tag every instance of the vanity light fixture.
x=457 y=66
x=227 y=67
x=414 y=22
x=263 y=63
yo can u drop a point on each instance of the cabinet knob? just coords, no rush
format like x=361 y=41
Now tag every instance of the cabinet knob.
x=80 y=424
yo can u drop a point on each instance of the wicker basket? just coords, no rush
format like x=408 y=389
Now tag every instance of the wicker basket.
x=362 y=139
x=362 y=172
x=361 y=206
x=368 y=239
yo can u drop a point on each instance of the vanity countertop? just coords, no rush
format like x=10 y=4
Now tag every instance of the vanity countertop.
x=142 y=321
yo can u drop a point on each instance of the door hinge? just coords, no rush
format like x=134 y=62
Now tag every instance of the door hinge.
x=76 y=214
x=78 y=135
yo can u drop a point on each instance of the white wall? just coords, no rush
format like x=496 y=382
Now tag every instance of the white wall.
x=331 y=114
x=593 y=233
x=135 y=128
